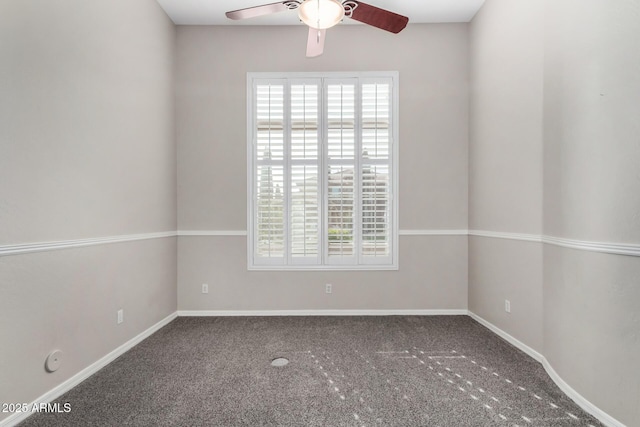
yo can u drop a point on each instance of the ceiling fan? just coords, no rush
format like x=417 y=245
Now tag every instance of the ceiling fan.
x=320 y=15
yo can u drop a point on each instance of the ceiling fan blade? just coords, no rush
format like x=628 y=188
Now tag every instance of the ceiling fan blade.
x=379 y=18
x=252 y=12
x=315 y=42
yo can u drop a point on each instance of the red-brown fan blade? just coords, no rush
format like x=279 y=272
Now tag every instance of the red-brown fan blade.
x=252 y=12
x=379 y=18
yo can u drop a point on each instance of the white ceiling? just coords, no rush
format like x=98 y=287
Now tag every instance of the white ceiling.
x=212 y=12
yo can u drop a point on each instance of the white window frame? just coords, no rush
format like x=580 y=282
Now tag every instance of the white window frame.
x=323 y=262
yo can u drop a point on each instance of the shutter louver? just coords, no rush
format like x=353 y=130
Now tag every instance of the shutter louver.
x=304 y=197
x=270 y=122
x=375 y=121
x=341 y=190
x=270 y=203
x=341 y=121
x=304 y=211
x=340 y=211
x=375 y=211
x=375 y=193
x=304 y=121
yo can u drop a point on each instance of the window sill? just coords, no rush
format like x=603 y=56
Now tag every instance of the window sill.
x=323 y=267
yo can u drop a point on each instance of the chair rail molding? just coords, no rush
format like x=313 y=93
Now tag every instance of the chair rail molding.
x=25 y=248
x=629 y=249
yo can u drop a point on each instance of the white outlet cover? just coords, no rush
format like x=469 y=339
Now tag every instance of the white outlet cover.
x=54 y=360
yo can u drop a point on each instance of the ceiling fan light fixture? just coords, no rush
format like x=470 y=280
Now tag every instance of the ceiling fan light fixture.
x=321 y=14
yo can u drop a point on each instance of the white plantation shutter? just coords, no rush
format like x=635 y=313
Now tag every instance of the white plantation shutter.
x=341 y=188
x=322 y=172
x=303 y=177
x=269 y=236
x=375 y=168
x=305 y=238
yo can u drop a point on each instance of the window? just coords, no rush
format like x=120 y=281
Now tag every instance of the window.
x=322 y=171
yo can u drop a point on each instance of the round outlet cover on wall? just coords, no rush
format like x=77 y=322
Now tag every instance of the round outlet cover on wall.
x=54 y=360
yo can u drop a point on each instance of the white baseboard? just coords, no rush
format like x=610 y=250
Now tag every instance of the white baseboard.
x=262 y=313
x=509 y=338
x=589 y=407
x=58 y=391
x=604 y=418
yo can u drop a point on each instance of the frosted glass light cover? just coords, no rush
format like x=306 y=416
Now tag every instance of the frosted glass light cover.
x=321 y=14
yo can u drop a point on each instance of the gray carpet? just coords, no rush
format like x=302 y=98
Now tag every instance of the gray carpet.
x=342 y=371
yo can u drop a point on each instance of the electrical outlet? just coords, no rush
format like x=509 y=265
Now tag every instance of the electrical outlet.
x=205 y=288
x=120 y=316
x=327 y=288
x=507 y=306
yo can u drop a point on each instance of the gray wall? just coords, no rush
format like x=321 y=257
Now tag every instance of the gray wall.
x=87 y=150
x=505 y=165
x=212 y=63
x=554 y=152
x=591 y=193
x=523 y=122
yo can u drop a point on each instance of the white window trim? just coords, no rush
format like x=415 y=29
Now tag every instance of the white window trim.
x=277 y=265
